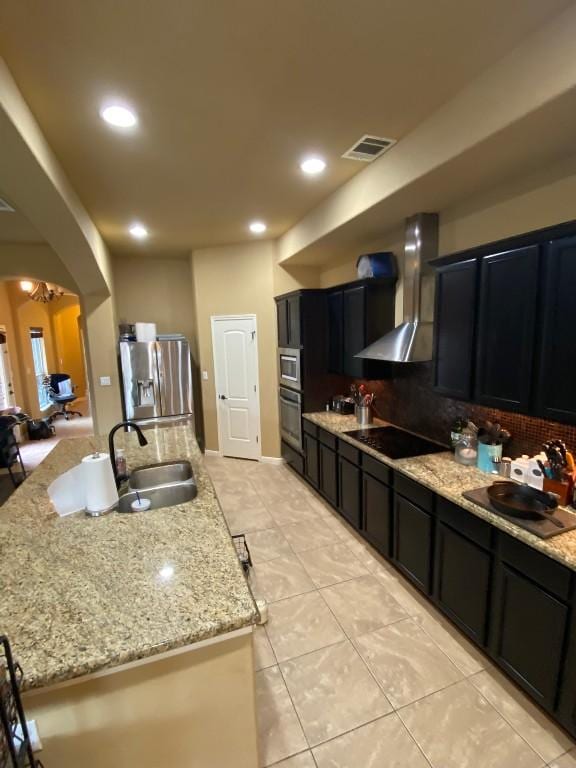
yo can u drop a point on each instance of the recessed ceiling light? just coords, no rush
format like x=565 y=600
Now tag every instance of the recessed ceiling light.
x=257 y=227
x=312 y=165
x=138 y=231
x=118 y=116
x=26 y=285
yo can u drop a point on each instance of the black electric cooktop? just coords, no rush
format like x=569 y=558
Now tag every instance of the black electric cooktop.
x=395 y=443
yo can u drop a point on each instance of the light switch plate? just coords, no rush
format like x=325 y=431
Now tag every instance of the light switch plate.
x=205 y=375
x=105 y=381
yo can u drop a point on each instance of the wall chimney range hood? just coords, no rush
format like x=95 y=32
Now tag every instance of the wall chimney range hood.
x=411 y=342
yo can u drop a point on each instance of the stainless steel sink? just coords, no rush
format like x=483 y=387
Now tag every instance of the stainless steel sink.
x=163 y=496
x=166 y=473
x=164 y=484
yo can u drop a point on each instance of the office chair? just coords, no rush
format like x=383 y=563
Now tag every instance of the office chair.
x=61 y=392
x=9 y=450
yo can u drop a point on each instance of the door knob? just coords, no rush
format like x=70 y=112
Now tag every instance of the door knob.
x=222 y=397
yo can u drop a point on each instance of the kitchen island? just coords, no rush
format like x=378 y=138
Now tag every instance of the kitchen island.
x=133 y=630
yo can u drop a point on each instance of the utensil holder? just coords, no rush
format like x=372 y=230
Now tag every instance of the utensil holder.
x=486 y=454
x=363 y=415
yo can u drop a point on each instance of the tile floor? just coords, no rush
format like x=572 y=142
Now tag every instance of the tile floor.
x=355 y=668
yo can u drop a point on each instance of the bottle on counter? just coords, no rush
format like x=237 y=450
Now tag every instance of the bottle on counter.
x=121 y=467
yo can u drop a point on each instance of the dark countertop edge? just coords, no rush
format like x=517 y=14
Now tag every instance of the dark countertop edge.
x=506 y=526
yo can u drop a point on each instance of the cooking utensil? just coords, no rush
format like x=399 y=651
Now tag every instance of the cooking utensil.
x=523 y=501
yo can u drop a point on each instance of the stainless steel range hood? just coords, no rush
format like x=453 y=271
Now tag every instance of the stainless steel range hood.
x=411 y=342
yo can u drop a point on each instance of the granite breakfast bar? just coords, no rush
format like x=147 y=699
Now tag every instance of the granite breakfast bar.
x=133 y=630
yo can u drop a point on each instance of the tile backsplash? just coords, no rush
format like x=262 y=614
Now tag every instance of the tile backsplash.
x=408 y=400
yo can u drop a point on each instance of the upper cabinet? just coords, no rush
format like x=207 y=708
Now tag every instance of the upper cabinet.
x=288 y=309
x=454 y=328
x=556 y=383
x=504 y=328
x=507 y=310
x=358 y=314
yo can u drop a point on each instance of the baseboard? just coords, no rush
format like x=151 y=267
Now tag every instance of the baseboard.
x=272 y=460
x=264 y=459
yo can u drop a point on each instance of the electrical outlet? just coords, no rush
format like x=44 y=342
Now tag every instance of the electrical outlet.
x=105 y=381
x=205 y=375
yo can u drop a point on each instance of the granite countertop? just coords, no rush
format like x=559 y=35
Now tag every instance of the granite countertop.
x=442 y=474
x=83 y=594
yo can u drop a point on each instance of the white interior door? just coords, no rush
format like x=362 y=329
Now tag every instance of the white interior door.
x=236 y=381
x=6 y=384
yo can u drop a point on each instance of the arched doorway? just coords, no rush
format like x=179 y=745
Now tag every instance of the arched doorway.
x=40 y=336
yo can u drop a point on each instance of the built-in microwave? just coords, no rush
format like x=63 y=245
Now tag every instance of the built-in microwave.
x=291 y=417
x=289 y=368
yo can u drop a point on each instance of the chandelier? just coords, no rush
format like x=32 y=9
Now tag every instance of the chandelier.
x=41 y=291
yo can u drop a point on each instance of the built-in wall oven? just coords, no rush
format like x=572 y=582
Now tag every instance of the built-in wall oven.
x=291 y=417
x=289 y=374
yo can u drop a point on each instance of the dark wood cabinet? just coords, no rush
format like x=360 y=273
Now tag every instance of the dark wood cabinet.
x=529 y=620
x=358 y=314
x=567 y=697
x=288 y=313
x=328 y=469
x=282 y=318
x=412 y=537
x=506 y=328
x=335 y=325
x=350 y=487
x=292 y=457
x=311 y=462
x=454 y=328
x=377 y=513
x=557 y=363
x=293 y=307
x=462 y=581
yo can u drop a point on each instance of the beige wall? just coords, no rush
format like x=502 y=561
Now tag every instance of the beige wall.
x=238 y=280
x=66 y=320
x=155 y=290
x=523 y=204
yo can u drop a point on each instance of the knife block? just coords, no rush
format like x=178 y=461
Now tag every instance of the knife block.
x=560 y=487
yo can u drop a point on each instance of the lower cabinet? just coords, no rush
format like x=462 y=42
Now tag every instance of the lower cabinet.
x=310 y=445
x=349 y=479
x=513 y=601
x=377 y=513
x=328 y=471
x=462 y=581
x=528 y=630
x=412 y=548
x=292 y=457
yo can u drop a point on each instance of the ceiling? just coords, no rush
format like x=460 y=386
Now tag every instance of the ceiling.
x=230 y=95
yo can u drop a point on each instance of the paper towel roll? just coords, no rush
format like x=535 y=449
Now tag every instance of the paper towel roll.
x=100 y=488
x=67 y=492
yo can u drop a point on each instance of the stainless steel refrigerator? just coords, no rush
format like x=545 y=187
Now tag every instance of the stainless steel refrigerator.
x=156 y=379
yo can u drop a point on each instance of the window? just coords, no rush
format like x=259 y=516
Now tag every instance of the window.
x=40 y=365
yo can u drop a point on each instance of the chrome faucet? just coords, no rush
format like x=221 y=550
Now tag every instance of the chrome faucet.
x=141 y=439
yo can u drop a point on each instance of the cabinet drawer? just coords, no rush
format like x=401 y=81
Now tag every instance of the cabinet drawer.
x=349 y=452
x=327 y=438
x=464 y=522
x=537 y=567
x=309 y=428
x=377 y=469
x=413 y=491
x=292 y=458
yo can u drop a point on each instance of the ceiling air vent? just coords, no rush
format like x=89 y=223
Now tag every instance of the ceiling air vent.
x=4 y=206
x=368 y=148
